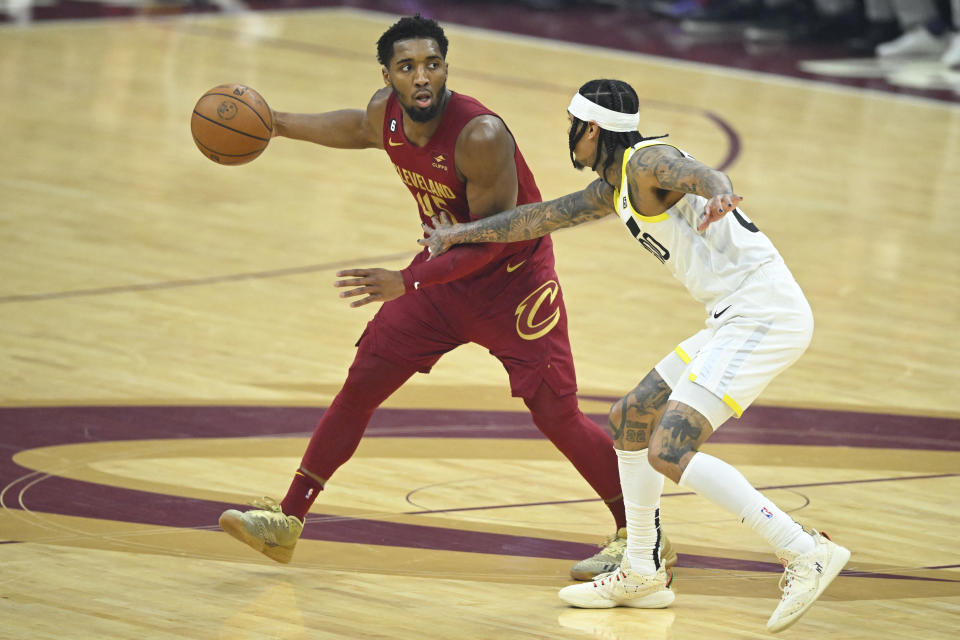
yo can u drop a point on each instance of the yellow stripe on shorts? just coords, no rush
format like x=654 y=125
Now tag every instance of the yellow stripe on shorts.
x=727 y=400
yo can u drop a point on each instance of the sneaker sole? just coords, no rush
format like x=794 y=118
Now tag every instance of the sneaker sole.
x=233 y=525
x=839 y=559
x=659 y=600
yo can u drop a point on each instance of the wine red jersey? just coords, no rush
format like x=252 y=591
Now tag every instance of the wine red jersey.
x=430 y=171
x=512 y=304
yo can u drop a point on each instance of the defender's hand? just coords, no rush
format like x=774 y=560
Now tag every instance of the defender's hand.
x=376 y=285
x=437 y=241
x=717 y=207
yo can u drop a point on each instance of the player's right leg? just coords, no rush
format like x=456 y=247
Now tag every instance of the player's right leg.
x=643 y=577
x=273 y=529
x=393 y=348
x=631 y=421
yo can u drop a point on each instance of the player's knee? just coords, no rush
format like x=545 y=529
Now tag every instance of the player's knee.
x=614 y=418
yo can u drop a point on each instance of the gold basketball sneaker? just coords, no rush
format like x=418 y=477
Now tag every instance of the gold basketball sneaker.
x=265 y=529
x=611 y=553
x=805 y=577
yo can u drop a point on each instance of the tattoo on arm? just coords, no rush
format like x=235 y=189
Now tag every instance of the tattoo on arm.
x=538 y=218
x=678 y=173
x=633 y=418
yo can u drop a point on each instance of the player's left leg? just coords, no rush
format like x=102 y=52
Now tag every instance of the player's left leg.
x=811 y=561
x=587 y=446
x=531 y=342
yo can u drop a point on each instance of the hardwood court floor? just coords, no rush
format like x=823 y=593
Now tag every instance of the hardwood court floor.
x=170 y=336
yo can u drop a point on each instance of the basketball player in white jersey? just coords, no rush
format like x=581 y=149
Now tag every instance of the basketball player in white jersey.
x=758 y=323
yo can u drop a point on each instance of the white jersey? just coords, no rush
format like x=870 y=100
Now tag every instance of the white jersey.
x=711 y=264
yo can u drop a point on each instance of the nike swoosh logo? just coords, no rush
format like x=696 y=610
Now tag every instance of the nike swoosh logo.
x=717 y=314
x=394 y=144
x=513 y=267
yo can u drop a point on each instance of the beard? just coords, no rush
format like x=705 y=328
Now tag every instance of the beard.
x=421 y=114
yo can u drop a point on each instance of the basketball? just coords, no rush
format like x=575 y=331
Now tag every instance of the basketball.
x=231 y=124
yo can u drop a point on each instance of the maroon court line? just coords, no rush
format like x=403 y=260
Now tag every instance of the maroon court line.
x=191 y=282
x=25 y=428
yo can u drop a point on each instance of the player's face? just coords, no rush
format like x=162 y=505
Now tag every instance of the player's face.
x=418 y=76
x=585 y=150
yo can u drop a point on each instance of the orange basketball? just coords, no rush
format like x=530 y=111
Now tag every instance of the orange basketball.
x=231 y=124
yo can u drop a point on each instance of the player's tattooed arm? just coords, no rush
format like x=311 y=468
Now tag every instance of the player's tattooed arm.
x=663 y=168
x=524 y=222
x=672 y=171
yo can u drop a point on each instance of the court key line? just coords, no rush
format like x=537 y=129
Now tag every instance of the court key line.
x=682 y=493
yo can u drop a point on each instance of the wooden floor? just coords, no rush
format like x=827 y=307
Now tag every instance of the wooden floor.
x=169 y=334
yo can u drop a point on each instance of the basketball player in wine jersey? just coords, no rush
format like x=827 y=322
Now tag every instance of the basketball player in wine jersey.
x=457 y=158
x=758 y=323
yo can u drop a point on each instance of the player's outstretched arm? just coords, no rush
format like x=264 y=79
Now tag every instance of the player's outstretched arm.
x=525 y=222
x=668 y=169
x=342 y=129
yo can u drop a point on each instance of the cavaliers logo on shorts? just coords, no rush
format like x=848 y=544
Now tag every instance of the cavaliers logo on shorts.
x=538 y=313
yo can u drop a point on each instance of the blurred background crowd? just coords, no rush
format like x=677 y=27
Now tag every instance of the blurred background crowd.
x=901 y=45
x=887 y=29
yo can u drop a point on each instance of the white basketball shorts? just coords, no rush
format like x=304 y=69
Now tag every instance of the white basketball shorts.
x=751 y=336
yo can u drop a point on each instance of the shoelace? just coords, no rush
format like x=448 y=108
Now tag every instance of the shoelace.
x=603 y=578
x=266 y=503
x=792 y=572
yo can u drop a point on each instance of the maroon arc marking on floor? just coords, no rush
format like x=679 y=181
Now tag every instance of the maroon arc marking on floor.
x=27 y=428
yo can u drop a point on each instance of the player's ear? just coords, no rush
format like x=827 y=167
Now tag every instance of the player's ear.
x=386 y=76
x=593 y=130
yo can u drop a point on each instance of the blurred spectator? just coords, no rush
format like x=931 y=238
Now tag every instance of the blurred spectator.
x=805 y=21
x=777 y=20
x=951 y=57
x=923 y=28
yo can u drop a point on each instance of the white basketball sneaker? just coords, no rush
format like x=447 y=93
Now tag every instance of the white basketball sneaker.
x=805 y=577
x=622 y=588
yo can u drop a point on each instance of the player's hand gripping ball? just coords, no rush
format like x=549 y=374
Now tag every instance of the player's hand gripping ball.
x=231 y=124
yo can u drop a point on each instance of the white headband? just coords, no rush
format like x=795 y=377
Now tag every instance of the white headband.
x=588 y=111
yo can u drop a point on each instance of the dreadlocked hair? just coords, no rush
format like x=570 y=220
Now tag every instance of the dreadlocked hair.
x=410 y=28
x=615 y=95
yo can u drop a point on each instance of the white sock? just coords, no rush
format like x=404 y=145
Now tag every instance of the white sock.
x=726 y=487
x=641 y=485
